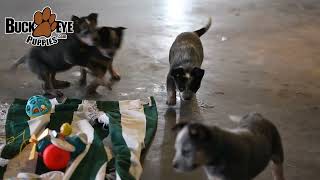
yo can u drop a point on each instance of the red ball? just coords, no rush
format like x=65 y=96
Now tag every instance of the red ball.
x=55 y=158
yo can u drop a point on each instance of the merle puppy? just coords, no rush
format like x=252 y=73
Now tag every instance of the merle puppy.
x=238 y=154
x=185 y=58
x=45 y=62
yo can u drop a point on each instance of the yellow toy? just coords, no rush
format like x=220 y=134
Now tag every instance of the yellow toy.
x=65 y=129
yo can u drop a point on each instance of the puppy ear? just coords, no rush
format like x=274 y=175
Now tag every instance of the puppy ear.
x=179 y=126
x=121 y=28
x=103 y=29
x=197 y=75
x=104 y=34
x=75 y=18
x=93 y=17
x=197 y=72
x=76 y=22
x=119 y=31
x=177 y=72
x=198 y=131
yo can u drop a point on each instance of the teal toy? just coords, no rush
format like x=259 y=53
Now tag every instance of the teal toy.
x=42 y=144
x=79 y=145
x=37 y=106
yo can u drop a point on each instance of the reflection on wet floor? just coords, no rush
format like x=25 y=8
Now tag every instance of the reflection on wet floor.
x=188 y=111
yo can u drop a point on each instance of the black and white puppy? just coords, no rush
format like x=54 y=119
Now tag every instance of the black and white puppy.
x=185 y=58
x=237 y=154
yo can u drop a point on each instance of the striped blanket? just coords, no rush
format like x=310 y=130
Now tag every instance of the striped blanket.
x=113 y=150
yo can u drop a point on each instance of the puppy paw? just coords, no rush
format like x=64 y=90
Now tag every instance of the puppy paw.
x=109 y=86
x=171 y=97
x=115 y=77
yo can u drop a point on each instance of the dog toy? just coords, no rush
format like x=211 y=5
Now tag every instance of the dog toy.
x=34 y=141
x=57 y=155
x=55 y=158
x=79 y=142
x=58 y=149
x=65 y=130
x=38 y=105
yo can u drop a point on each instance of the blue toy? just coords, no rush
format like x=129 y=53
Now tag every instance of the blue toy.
x=37 y=106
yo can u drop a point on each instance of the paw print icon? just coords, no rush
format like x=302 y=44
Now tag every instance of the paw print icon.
x=45 y=21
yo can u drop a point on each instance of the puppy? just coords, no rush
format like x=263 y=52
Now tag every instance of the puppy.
x=45 y=62
x=239 y=154
x=185 y=58
x=108 y=42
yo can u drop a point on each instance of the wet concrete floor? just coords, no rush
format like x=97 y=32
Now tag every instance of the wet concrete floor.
x=260 y=56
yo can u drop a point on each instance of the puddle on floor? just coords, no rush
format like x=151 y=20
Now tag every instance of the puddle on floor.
x=140 y=88
x=124 y=94
x=157 y=88
x=204 y=105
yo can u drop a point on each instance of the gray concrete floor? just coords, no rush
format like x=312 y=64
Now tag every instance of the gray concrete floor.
x=260 y=56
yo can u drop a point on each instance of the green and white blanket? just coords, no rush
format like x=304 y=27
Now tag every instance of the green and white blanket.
x=111 y=153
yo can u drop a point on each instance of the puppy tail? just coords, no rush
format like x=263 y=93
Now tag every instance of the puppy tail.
x=17 y=63
x=277 y=155
x=203 y=30
x=277 y=148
